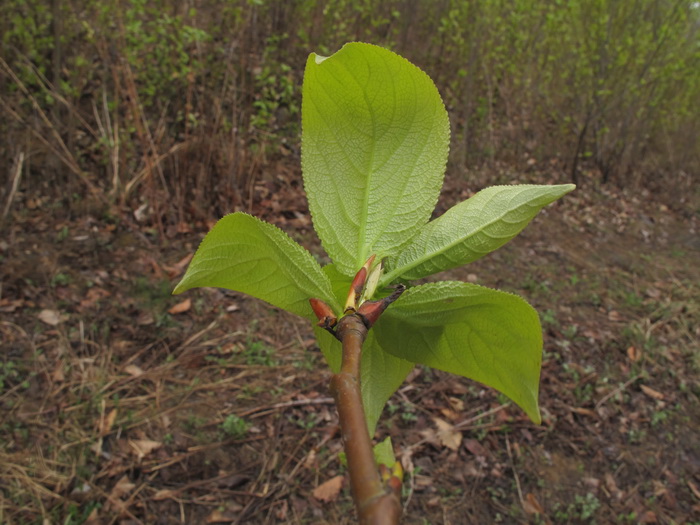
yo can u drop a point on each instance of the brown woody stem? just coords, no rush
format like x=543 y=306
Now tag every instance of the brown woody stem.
x=376 y=503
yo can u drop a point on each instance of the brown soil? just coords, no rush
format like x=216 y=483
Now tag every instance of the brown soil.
x=116 y=409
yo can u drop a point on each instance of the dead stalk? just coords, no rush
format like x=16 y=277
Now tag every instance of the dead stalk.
x=14 y=177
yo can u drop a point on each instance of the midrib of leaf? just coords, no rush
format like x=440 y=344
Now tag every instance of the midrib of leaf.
x=364 y=211
x=363 y=253
x=389 y=277
x=406 y=180
x=372 y=170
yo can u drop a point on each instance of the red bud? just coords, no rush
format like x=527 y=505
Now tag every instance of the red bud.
x=358 y=283
x=323 y=312
x=371 y=310
x=394 y=485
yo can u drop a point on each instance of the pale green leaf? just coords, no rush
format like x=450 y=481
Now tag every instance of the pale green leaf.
x=381 y=372
x=490 y=336
x=374 y=148
x=245 y=254
x=384 y=453
x=471 y=229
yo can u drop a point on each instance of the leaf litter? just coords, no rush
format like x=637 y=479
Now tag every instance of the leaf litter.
x=140 y=413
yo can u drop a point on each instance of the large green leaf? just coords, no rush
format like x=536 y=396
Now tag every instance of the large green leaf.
x=374 y=148
x=471 y=229
x=490 y=336
x=381 y=373
x=245 y=254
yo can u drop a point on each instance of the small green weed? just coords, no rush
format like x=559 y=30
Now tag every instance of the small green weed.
x=61 y=279
x=8 y=372
x=549 y=318
x=258 y=353
x=235 y=427
x=583 y=508
x=63 y=234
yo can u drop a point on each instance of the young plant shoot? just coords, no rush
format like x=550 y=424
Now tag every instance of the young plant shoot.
x=374 y=148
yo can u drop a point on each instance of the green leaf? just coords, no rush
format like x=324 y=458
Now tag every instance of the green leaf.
x=384 y=453
x=471 y=229
x=374 y=148
x=490 y=336
x=245 y=254
x=381 y=372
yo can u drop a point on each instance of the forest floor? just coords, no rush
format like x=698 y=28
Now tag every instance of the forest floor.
x=120 y=403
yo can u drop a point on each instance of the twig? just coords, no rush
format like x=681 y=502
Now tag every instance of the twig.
x=62 y=151
x=375 y=503
x=467 y=422
x=615 y=392
x=14 y=176
x=515 y=472
x=287 y=404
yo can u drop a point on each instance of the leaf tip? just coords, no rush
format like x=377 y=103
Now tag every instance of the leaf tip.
x=318 y=58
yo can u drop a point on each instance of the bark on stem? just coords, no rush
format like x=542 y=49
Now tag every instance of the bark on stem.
x=376 y=504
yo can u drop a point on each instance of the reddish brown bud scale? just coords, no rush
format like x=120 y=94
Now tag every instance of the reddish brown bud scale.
x=371 y=310
x=359 y=281
x=356 y=287
x=323 y=312
x=394 y=484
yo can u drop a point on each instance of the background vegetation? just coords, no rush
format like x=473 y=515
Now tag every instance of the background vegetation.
x=185 y=100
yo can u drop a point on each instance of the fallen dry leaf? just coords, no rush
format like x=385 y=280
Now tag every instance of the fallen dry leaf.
x=614 y=315
x=50 y=317
x=476 y=448
x=634 y=354
x=456 y=404
x=122 y=488
x=145 y=319
x=133 y=370
x=583 y=411
x=328 y=490
x=58 y=376
x=447 y=434
x=611 y=485
x=449 y=414
x=92 y=296
x=179 y=267
x=107 y=423
x=7 y=305
x=654 y=394
x=165 y=494
x=181 y=308
x=143 y=447
x=531 y=505
x=472 y=470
